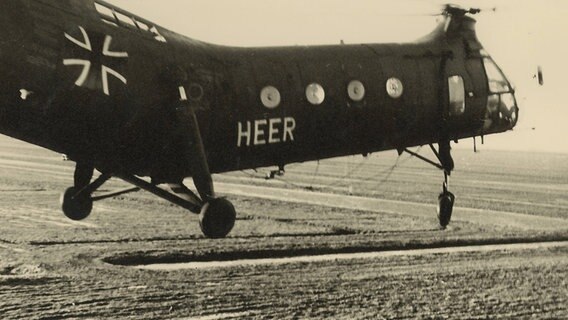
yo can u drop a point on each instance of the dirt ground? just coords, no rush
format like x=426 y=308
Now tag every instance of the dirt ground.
x=51 y=267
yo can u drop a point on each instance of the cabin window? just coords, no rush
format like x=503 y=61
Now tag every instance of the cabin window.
x=394 y=88
x=142 y=26
x=156 y=33
x=196 y=91
x=105 y=12
x=315 y=93
x=496 y=79
x=116 y=17
x=125 y=20
x=457 y=95
x=356 y=90
x=270 y=97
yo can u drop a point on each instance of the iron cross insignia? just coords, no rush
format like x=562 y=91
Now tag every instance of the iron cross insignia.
x=95 y=56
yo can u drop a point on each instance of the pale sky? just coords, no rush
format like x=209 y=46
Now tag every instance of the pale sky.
x=520 y=35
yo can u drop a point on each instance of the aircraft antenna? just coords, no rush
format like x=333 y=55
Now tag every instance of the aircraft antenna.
x=388 y=171
x=339 y=181
x=314 y=175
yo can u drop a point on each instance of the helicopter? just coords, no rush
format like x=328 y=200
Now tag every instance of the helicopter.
x=121 y=95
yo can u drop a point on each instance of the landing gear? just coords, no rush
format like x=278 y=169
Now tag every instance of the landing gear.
x=217 y=218
x=445 y=204
x=446 y=199
x=76 y=202
x=216 y=215
x=272 y=174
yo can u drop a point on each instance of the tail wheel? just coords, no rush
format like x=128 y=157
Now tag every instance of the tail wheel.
x=217 y=218
x=76 y=208
x=445 y=208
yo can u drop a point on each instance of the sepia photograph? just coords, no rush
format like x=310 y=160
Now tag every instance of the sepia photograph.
x=283 y=159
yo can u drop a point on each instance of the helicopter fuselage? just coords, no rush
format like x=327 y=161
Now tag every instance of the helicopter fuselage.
x=90 y=85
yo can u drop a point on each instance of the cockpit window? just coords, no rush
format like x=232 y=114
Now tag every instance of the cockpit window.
x=497 y=81
x=117 y=17
x=501 y=111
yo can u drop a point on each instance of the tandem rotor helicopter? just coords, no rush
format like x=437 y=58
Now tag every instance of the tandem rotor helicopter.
x=119 y=94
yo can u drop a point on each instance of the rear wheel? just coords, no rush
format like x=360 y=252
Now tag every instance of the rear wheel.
x=217 y=218
x=445 y=208
x=76 y=207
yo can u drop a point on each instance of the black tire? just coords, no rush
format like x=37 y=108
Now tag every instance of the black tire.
x=217 y=218
x=75 y=208
x=445 y=208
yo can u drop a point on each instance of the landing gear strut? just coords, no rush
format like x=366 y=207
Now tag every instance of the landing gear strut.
x=77 y=201
x=217 y=215
x=446 y=199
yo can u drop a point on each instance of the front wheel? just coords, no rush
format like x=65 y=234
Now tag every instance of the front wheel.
x=217 y=218
x=445 y=208
x=76 y=207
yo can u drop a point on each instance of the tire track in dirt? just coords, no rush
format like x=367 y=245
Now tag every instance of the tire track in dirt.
x=34 y=217
x=349 y=256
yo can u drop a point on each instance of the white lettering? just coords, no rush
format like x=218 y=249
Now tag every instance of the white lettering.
x=243 y=134
x=273 y=131
x=265 y=131
x=258 y=132
x=289 y=126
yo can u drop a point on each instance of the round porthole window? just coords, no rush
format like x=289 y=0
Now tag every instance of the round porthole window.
x=356 y=90
x=195 y=91
x=270 y=97
x=315 y=93
x=394 y=87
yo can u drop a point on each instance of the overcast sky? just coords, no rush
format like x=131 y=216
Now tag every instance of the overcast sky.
x=520 y=35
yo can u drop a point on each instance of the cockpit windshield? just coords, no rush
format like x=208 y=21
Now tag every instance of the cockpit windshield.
x=502 y=110
x=497 y=81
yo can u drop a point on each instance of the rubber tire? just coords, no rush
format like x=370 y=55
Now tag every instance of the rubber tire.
x=445 y=208
x=75 y=208
x=217 y=218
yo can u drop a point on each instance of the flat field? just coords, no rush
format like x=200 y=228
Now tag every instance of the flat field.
x=51 y=267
